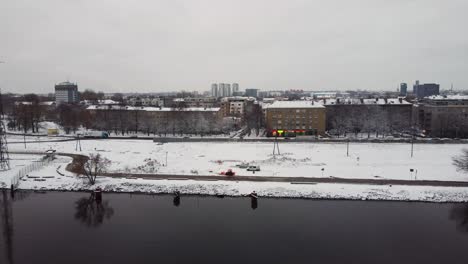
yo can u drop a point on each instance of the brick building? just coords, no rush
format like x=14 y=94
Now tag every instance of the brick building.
x=285 y=118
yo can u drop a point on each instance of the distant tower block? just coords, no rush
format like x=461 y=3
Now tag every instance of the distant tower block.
x=214 y=90
x=403 y=89
x=66 y=92
x=235 y=87
x=4 y=157
x=221 y=90
x=227 y=91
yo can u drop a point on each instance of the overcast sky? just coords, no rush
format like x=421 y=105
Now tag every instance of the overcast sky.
x=168 y=45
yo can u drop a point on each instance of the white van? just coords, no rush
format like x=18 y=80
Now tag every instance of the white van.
x=253 y=168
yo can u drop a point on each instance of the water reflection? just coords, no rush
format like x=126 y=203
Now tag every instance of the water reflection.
x=459 y=213
x=176 y=201
x=253 y=203
x=92 y=212
x=7 y=225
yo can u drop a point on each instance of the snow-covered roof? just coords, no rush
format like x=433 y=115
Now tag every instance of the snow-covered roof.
x=48 y=103
x=447 y=97
x=149 y=108
x=238 y=98
x=66 y=83
x=101 y=102
x=358 y=101
x=293 y=104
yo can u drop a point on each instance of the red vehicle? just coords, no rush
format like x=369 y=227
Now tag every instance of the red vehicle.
x=229 y=172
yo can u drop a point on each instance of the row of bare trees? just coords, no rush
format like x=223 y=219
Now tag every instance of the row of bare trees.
x=174 y=122
x=370 y=120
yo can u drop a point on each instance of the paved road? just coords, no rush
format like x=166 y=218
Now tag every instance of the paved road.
x=293 y=180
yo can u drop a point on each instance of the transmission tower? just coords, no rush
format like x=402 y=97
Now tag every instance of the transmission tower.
x=4 y=157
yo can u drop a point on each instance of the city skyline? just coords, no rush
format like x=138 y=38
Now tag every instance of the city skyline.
x=168 y=46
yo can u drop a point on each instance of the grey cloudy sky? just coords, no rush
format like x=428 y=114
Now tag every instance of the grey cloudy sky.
x=163 y=45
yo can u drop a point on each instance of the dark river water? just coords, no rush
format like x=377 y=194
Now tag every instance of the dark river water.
x=58 y=227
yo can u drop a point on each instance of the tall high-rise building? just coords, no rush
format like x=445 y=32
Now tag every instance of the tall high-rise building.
x=227 y=88
x=403 y=89
x=235 y=88
x=426 y=89
x=251 y=92
x=221 y=90
x=66 y=92
x=214 y=90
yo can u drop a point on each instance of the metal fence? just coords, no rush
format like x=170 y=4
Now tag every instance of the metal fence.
x=36 y=165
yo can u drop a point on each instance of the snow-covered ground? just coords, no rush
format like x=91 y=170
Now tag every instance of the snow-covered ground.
x=40 y=181
x=17 y=162
x=366 y=160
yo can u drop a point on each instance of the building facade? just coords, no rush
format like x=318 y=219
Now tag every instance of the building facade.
x=66 y=92
x=251 y=92
x=235 y=88
x=403 y=89
x=291 y=118
x=155 y=120
x=214 y=90
x=424 y=90
x=443 y=116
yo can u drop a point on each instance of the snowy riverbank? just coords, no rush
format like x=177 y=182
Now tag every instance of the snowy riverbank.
x=376 y=161
x=55 y=177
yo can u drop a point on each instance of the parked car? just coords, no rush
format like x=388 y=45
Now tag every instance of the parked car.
x=94 y=134
x=253 y=168
x=243 y=165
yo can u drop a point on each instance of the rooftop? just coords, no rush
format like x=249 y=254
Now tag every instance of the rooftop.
x=447 y=97
x=66 y=83
x=358 y=101
x=293 y=104
x=156 y=109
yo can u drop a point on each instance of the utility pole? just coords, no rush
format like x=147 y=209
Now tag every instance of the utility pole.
x=4 y=156
x=78 y=143
x=276 y=146
x=347 y=148
x=412 y=141
x=412 y=145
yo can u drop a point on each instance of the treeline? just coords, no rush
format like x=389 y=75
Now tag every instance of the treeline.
x=25 y=112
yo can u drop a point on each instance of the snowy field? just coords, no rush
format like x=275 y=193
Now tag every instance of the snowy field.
x=391 y=161
x=366 y=160
x=17 y=162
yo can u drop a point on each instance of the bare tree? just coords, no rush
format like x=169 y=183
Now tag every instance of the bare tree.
x=461 y=161
x=95 y=165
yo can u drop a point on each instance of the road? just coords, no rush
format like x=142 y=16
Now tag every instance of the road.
x=293 y=180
